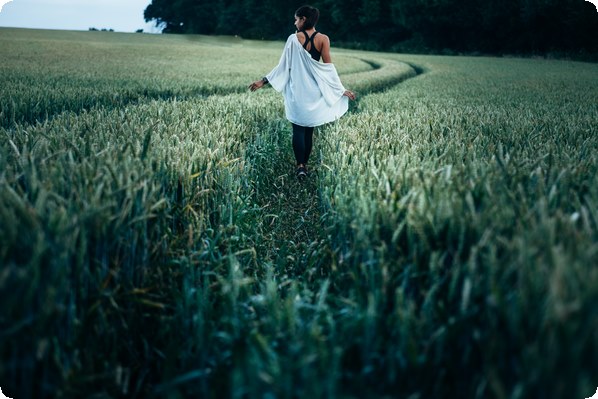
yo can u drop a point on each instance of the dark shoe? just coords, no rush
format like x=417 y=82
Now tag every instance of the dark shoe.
x=301 y=172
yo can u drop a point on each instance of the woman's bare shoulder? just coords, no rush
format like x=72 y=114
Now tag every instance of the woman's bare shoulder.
x=323 y=36
x=322 y=40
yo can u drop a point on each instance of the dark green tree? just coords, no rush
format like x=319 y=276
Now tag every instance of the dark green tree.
x=491 y=26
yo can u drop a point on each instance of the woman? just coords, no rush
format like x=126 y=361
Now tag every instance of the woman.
x=313 y=93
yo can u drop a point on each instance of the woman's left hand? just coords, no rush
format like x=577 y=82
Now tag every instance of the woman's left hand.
x=349 y=94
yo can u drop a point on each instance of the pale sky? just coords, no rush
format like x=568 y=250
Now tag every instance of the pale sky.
x=120 y=15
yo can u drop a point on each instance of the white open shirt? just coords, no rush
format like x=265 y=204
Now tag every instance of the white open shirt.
x=313 y=92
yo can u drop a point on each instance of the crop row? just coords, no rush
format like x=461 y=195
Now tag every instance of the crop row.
x=463 y=207
x=46 y=73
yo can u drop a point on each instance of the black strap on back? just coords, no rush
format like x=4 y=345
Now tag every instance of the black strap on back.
x=312 y=50
x=309 y=39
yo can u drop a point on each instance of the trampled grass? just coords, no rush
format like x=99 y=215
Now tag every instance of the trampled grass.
x=154 y=241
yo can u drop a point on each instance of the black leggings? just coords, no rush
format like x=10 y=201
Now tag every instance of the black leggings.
x=302 y=143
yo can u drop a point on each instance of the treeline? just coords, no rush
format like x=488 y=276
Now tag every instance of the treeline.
x=466 y=26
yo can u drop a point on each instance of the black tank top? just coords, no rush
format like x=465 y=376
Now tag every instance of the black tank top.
x=313 y=51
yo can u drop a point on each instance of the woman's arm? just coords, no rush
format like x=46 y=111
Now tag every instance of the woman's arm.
x=278 y=76
x=328 y=60
x=258 y=84
x=325 y=51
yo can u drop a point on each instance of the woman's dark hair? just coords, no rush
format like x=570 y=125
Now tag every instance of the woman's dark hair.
x=311 y=15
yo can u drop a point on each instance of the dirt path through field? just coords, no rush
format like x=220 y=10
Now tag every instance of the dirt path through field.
x=291 y=224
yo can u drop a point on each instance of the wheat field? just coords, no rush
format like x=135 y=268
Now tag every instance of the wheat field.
x=154 y=241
